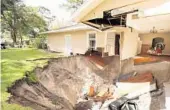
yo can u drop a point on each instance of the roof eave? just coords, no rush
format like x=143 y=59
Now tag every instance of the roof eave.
x=85 y=9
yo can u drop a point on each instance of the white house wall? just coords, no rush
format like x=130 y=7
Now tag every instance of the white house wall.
x=79 y=41
x=56 y=42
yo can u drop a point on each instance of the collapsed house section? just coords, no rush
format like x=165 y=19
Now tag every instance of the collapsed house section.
x=110 y=19
x=84 y=82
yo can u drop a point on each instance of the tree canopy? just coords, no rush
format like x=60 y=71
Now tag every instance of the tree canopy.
x=19 y=19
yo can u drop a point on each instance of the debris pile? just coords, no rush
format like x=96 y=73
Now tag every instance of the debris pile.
x=127 y=87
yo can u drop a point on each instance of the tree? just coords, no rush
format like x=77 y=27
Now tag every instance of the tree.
x=20 y=20
x=73 y=5
x=9 y=18
x=7 y=5
x=32 y=22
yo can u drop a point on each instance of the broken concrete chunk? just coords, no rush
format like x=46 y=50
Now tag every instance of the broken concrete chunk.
x=136 y=85
x=167 y=95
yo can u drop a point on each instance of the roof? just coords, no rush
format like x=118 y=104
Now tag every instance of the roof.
x=76 y=27
x=85 y=9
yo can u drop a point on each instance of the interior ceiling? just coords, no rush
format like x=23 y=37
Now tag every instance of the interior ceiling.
x=146 y=24
x=108 y=21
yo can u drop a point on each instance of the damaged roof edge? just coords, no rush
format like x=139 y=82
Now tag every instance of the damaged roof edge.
x=85 y=9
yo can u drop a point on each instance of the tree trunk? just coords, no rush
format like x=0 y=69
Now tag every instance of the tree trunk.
x=13 y=36
x=21 y=40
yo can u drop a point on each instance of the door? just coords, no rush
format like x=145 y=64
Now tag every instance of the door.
x=68 y=47
x=110 y=45
x=117 y=44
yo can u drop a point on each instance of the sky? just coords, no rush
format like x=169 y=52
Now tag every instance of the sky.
x=54 y=6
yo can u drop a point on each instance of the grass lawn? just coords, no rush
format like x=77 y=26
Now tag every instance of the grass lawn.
x=13 y=67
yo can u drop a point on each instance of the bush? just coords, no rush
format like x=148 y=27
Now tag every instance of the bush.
x=40 y=42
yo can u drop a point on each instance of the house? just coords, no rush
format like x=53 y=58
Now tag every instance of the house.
x=117 y=27
x=77 y=39
x=150 y=18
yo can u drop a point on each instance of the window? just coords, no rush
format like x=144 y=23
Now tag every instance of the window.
x=92 y=41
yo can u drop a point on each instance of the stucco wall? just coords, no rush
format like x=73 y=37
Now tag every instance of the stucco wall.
x=79 y=41
x=56 y=42
x=129 y=44
x=147 y=39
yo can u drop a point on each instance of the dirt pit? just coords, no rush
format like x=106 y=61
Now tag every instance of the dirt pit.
x=59 y=84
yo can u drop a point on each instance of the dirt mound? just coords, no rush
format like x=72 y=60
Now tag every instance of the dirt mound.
x=59 y=84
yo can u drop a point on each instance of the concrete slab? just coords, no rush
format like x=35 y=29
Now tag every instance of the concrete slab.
x=167 y=95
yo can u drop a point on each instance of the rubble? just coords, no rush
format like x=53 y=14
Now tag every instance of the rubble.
x=161 y=72
x=137 y=85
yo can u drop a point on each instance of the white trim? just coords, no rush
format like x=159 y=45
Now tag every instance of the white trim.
x=77 y=27
x=87 y=34
x=106 y=33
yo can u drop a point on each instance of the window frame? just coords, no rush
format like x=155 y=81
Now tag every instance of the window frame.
x=88 y=39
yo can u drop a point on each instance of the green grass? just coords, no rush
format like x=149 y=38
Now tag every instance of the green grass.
x=14 y=66
x=32 y=77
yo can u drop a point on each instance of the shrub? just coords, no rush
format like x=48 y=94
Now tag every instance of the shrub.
x=40 y=42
